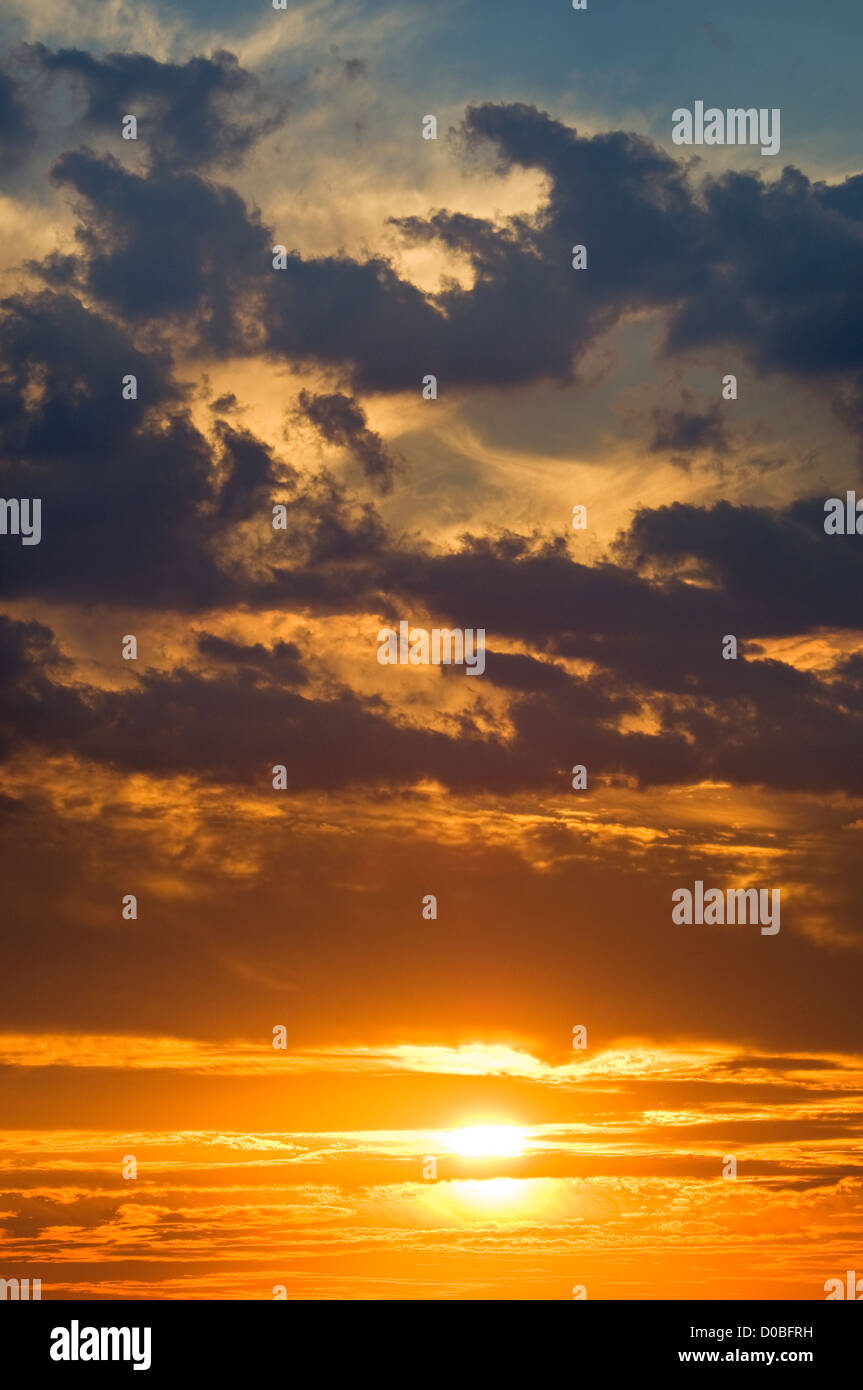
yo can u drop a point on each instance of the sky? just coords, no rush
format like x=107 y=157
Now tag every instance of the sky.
x=417 y=1020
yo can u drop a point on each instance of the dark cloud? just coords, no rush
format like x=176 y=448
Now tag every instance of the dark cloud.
x=137 y=505
x=848 y=405
x=281 y=663
x=359 y=315
x=35 y=707
x=165 y=530
x=233 y=727
x=165 y=246
x=775 y=267
x=61 y=371
x=249 y=472
x=771 y=269
x=341 y=420
x=685 y=432
x=845 y=198
x=746 y=722
x=515 y=671
x=17 y=131
x=59 y=270
x=779 y=570
x=784 y=277
x=353 y=68
x=202 y=112
x=172 y=526
x=124 y=483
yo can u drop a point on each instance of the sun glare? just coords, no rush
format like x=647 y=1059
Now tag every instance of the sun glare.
x=488 y=1141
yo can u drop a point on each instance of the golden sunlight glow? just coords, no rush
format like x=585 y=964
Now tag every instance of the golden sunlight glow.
x=502 y=1201
x=488 y=1141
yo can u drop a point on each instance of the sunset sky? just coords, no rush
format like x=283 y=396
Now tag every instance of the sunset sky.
x=429 y=1130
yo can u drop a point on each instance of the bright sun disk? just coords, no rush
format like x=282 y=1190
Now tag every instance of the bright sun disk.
x=488 y=1141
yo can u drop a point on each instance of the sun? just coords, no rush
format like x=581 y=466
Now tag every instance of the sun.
x=488 y=1141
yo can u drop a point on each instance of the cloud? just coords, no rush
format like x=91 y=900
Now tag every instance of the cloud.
x=517 y=671
x=17 y=131
x=281 y=663
x=137 y=265
x=768 y=269
x=137 y=504
x=258 y=906
x=777 y=568
x=202 y=112
x=122 y=528
x=341 y=420
x=685 y=432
